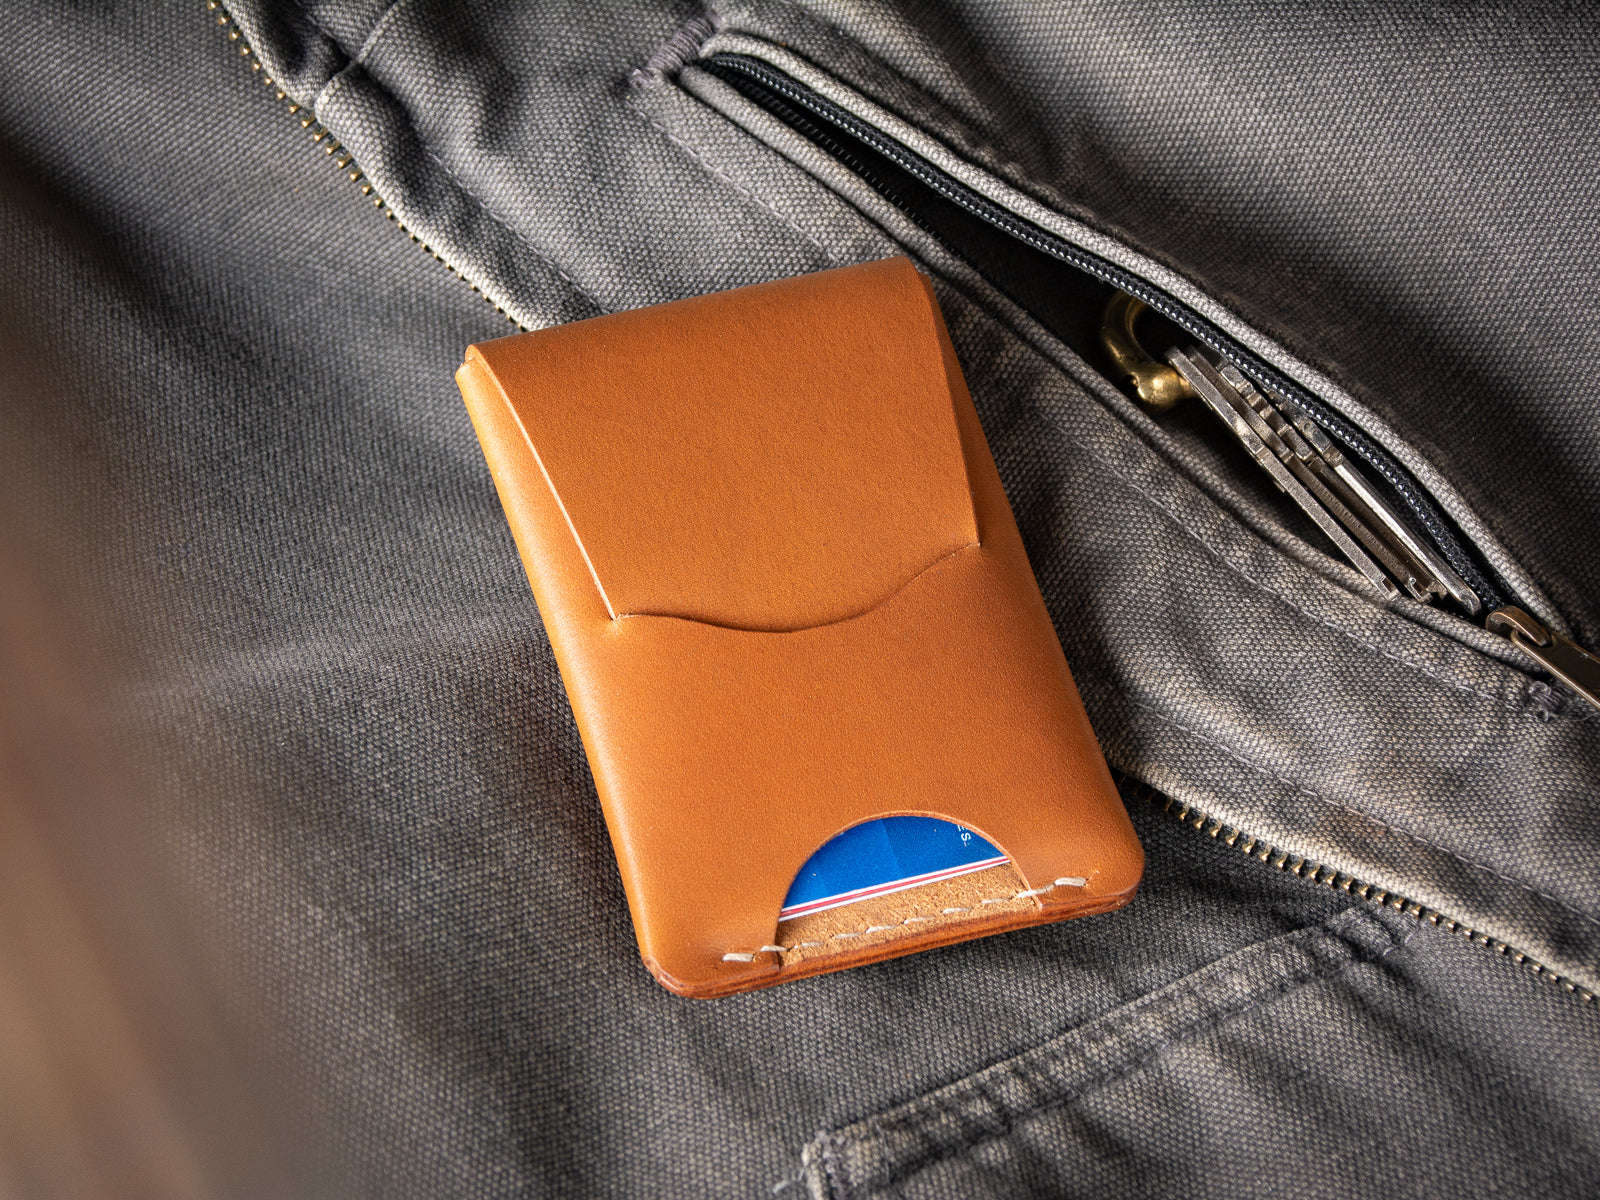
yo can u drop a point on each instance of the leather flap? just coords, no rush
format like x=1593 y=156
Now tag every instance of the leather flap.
x=775 y=458
x=788 y=467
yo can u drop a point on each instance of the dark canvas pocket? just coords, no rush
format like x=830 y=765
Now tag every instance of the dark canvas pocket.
x=1053 y=1120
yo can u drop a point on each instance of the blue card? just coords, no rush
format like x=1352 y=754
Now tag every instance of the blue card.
x=883 y=856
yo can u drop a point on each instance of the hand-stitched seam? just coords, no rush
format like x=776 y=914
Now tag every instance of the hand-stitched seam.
x=1024 y=894
x=1015 y=1119
x=715 y=173
x=1367 y=817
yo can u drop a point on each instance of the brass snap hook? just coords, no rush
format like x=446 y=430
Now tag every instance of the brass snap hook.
x=1157 y=386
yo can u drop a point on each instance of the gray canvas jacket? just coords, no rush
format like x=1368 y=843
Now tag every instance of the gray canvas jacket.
x=305 y=887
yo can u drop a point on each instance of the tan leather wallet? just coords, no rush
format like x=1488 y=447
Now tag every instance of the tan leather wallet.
x=787 y=595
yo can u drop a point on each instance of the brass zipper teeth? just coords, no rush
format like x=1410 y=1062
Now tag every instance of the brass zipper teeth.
x=1306 y=868
x=342 y=158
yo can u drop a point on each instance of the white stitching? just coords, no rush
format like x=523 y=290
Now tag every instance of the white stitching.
x=334 y=84
x=1025 y=894
x=733 y=183
x=500 y=221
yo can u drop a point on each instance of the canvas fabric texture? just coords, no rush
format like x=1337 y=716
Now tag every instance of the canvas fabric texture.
x=284 y=727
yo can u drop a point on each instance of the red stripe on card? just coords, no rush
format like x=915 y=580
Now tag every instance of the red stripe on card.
x=884 y=889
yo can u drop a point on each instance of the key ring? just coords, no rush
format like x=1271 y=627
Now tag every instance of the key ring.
x=1157 y=385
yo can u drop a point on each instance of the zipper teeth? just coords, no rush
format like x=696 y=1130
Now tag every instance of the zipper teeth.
x=342 y=158
x=1336 y=879
x=1420 y=506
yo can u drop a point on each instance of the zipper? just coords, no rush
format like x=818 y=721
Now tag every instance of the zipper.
x=855 y=144
x=1025 y=262
x=343 y=160
x=1331 y=877
x=1557 y=654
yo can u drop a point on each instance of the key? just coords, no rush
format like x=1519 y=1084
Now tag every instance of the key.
x=1264 y=446
x=1324 y=483
x=1359 y=488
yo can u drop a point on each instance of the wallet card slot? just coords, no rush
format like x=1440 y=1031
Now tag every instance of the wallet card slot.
x=898 y=708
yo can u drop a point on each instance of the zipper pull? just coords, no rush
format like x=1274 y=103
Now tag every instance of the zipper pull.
x=1566 y=660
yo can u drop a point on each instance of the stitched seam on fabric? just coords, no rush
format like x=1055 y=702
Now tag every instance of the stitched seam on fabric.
x=1024 y=894
x=1277 y=992
x=1115 y=1024
x=1272 y=591
x=952 y=129
x=379 y=27
x=1367 y=817
x=734 y=184
x=1326 y=875
x=500 y=221
x=1319 y=974
x=1017 y=227
x=1501 y=701
x=682 y=46
x=338 y=80
x=954 y=136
